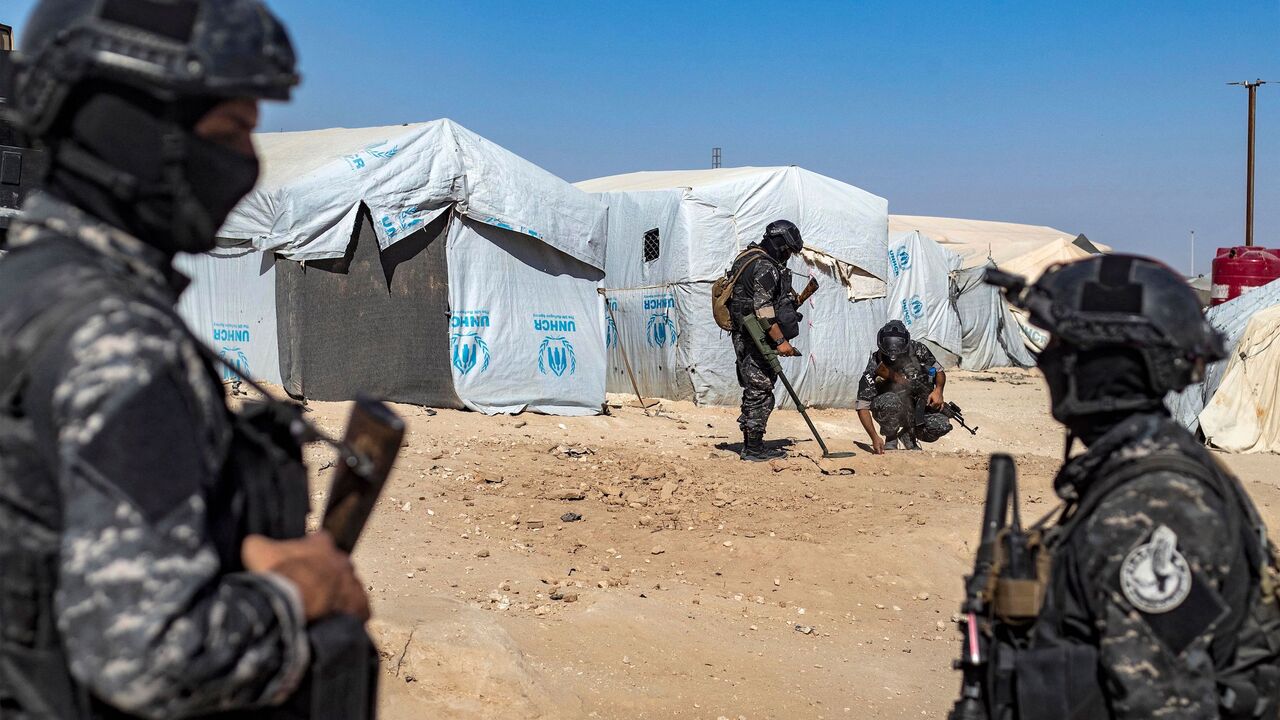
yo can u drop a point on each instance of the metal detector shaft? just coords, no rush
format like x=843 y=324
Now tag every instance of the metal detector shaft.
x=756 y=330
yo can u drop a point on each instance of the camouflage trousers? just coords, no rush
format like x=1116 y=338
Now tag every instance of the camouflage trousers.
x=757 y=380
x=895 y=412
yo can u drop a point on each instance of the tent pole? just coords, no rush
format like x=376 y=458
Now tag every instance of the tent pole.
x=625 y=361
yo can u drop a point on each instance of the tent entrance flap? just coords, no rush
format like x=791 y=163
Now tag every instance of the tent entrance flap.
x=373 y=321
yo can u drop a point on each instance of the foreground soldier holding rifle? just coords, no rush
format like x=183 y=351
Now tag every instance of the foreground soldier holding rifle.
x=152 y=540
x=1153 y=595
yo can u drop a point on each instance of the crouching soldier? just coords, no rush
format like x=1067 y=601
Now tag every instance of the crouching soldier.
x=901 y=389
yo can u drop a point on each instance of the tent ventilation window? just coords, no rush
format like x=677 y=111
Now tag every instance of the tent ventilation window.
x=652 y=245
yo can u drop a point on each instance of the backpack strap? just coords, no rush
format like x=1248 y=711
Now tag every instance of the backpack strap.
x=733 y=282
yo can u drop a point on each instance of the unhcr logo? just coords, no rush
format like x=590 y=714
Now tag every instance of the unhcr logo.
x=912 y=310
x=661 y=330
x=236 y=358
x=555 y=356
x=468 y=351
x=899 y=260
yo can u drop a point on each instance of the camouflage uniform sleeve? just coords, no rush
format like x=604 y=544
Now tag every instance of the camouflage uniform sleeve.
x=765 y=281
x=151 y=624
x=926 y=357
x=867 y=384
x=1154 y=632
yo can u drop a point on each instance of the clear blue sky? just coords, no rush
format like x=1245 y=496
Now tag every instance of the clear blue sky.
x=1107 y=118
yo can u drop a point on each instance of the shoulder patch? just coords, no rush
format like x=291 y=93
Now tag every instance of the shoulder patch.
x=1155 y=577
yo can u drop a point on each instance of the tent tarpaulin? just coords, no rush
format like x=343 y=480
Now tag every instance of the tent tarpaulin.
x=991 y=336
x=1244 y=414
x=920 y=290
x=426 y=264
x=1230 y=319
x=671 y=234
x=314 y=184
x=231 y=305
x=1023 y=249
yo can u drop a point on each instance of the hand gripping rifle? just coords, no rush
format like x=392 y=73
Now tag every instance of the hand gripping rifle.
x=1001 y=596
x=757 y=331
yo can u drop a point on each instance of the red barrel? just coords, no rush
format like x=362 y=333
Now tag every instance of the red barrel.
x=1238 y=270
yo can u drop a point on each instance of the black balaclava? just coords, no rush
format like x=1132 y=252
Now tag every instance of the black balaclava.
x=182 y=187
x=1116 y=373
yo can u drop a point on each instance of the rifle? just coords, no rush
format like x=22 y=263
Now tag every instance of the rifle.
x=953 y=411
x=1002 y=596
x=807 y=292
x=757 y=331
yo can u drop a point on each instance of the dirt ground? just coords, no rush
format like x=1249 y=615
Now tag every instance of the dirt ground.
x=694 y=585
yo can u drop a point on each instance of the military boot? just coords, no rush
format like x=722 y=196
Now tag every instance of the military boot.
x=753 y=448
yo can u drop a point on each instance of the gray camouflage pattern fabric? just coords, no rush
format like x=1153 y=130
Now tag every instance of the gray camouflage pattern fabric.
x=1149 y=670
x=757 y=380
x=895 y=411
x=151 y=623
x=760 y=286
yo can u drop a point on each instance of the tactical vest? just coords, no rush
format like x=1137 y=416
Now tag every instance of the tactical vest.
x=262 y=489
x=786 y=313
x=1038 y=672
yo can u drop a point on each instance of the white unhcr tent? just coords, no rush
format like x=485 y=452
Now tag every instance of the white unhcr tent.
x=423 y=263
x=1027 y=250
x=671 y=234
x=231 y=304
x=920 y=293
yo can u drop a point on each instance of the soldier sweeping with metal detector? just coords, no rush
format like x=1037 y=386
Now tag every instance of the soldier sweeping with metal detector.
x=756 y=303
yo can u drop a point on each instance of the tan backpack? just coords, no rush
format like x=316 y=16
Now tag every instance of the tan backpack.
x=722 y=290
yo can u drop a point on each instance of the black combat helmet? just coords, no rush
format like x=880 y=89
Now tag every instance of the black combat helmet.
x=893 y=340
x=167 y=48
x=1116 y=303
x=112 y=90
x=782 y=239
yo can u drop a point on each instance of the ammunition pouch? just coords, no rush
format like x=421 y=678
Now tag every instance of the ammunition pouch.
x=1017 y=600
x=1058 y=682
x=788 y=318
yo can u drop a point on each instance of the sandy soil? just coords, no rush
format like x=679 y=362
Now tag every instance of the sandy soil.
x=695 y=585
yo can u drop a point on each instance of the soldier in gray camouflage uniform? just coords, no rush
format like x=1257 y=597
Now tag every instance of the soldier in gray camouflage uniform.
x=902 y=390
x=139 y=518
x=1160 y=600
x=764 y=290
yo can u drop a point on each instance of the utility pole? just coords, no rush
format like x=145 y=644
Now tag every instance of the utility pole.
x=1193 y=253
x=715 y=158
x=1252 y=87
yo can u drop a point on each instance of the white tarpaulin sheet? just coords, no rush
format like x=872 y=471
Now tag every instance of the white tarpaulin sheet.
x=697 y=222
x=314 y=183
x=991 y=337
x=1244 y=414
x=1024 y=249
x=529 y=331
x=231 y=306
x=836 y=218
x=1230 y=319
x=920 y=290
